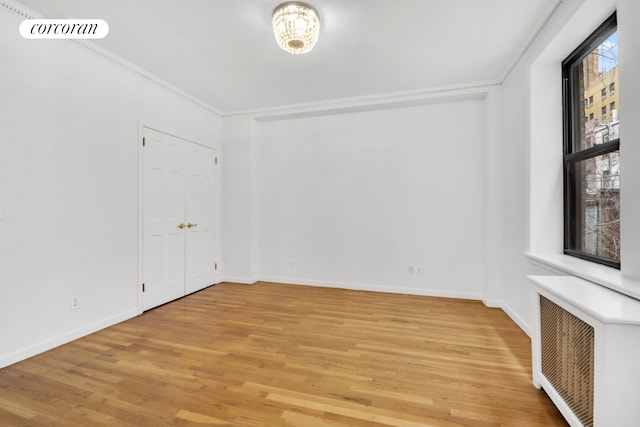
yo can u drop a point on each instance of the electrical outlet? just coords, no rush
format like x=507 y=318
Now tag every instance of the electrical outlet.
x=75 y=303
x=418 y=271
x=411 y=270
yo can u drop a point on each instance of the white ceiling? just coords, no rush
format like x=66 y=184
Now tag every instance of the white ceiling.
x=223 y=51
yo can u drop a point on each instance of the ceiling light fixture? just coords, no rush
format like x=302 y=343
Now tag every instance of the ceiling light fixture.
x=296 y=26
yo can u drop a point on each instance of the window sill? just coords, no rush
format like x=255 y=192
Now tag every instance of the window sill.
x=596 y=273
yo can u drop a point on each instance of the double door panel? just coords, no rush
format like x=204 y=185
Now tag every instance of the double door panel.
x=179 y=236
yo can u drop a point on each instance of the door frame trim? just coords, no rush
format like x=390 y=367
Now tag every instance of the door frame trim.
x=149 y=124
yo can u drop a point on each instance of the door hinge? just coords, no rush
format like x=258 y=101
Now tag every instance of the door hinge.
x=143 y=287
x=215 y=266
x=215 y=162
x=144 y=141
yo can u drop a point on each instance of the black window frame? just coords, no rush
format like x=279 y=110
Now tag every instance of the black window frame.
x=572 y=118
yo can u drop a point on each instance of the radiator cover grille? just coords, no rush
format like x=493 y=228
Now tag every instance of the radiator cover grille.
x=567 y=344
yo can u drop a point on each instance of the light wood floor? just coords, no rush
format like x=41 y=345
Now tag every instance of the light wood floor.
x=278 y=355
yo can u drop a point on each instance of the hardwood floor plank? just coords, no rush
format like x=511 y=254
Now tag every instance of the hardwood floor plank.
x=284 y=355
x=201 y=419
x=16 y=408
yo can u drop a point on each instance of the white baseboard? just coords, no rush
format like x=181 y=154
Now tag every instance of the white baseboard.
x=372 y=288
x=512 y=315
x=241 y=280
x=402 y=290
x=492 y=303
x=48 y=344
x=518 y=320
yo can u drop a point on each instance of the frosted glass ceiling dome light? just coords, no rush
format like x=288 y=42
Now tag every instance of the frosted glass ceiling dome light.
x=296 y=26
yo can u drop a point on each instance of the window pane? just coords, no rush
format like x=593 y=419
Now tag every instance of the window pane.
x=597 y=74
x=597 y=204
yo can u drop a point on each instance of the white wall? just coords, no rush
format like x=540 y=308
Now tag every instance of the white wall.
x=532 y=154
x=305 y=189
x=515 y=288
x=237 y=194
x=629 y=39
x=351 y=200
x=69 y=123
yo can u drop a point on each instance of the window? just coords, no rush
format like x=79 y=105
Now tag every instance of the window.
x=592 y=151
x=612 y=88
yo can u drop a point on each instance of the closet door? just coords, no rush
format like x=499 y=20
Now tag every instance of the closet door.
x=200 y=216
x=164 y=226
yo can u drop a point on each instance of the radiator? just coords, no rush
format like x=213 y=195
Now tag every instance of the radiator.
x=586 y=351
x=567 y=358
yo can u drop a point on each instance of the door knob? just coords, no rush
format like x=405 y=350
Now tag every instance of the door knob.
x=189 y=225
x=181 y=226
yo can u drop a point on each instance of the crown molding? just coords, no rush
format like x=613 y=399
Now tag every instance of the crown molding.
x=19 y=9
x=334 y=106
x=27 y=13
x=533 y=38
x=403 y=99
